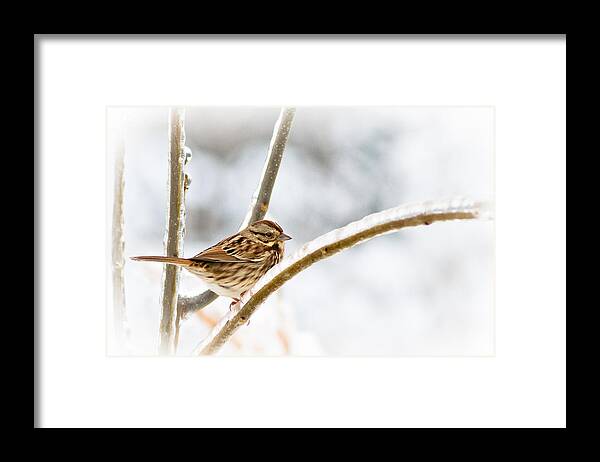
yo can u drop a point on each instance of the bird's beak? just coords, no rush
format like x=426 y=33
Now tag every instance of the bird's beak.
x=284 y=237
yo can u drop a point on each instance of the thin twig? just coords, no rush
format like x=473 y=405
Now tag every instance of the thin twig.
x=259 y=203
x=329 y=244
x=187 y=305
x=118 y=247
x=174 y=231
x=262 y=196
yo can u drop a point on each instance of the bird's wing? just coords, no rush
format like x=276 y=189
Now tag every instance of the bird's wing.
x=228 y=250
x=219 y=255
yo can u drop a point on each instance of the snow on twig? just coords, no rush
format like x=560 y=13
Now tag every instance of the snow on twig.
x=118 y=247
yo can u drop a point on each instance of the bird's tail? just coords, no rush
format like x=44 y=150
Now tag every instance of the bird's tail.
x=169 y=260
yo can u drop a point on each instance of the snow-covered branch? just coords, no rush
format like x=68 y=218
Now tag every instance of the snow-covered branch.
x=259 y=203
x=331 y=243
x=118 y=246
x=174 y=231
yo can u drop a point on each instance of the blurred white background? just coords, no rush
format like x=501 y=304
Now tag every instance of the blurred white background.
x=421 y=291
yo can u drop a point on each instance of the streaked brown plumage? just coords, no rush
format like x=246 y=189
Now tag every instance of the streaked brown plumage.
x=235 y=264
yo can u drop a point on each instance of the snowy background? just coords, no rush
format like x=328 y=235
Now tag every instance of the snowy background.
x=421 y=291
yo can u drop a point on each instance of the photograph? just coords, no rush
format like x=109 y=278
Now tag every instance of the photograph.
x=300 y=231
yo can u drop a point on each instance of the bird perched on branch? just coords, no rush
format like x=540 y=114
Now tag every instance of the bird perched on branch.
x=233 y=265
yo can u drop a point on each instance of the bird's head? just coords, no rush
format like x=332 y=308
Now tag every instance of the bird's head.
x=266 y=232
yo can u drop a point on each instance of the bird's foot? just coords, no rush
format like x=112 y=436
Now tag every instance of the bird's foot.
x=234 y=301
x=241 y=295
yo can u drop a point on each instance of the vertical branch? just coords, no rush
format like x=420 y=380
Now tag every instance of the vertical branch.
x=187 y=181
x=174 y=231
x=118 y=247
x=262 y=196
x=260 y=199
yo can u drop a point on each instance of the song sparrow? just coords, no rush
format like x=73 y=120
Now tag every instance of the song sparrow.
x=235 y=264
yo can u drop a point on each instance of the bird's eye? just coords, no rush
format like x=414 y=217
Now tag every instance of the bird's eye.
x=269 y=234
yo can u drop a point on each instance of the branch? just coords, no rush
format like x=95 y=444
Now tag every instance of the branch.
x=329 y=244
x=174 y=231
x=259 y=203
x=187 y=305
x=262 y=196
x=118 y=246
